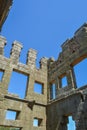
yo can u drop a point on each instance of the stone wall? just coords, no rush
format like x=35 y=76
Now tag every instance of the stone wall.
x=69 y=100
x=34 y=104
x=51 y=113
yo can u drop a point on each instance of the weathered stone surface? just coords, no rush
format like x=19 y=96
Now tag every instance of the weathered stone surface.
x=52 y=114
x=4 y=9
x=33 y=105
x=69 y=101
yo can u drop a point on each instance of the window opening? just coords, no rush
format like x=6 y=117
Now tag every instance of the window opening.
x=71 y=124
x=37 y=122
x=11 y=115
x=18 y=84
x=64 y=82
x=81 y=73
x=53 y=91
x=38 y=88
x=1 y=75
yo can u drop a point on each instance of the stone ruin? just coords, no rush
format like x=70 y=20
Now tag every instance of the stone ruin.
x=50 y=108
x=5 y=6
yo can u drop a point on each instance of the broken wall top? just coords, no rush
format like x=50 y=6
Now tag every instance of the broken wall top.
x=73 y=51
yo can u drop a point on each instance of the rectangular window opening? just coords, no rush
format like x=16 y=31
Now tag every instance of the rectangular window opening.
x=18 y=84
x=81 y=73
x=11 y=115
x=53 y=91
x=38 y=88
x=71 y=123
x=64 y=82
x=37 y=122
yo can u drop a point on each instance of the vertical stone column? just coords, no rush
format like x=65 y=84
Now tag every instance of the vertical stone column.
x=31 y=62
x=49 y=88
x=43 y=63
x=3 y=83
x=58 y=86
x=2 y=44
x=71 y=78
x=29 y=92
x=51 y=92
x=15 y=52
x=31 y=58
x=59 y=83
x=44 y=71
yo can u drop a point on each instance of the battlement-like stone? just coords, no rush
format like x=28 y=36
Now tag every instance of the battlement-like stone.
x=47 y=104
x=31 y=57
x=43 y=62
x=11 y=101
x=15 y=52
x=2 y=44
x=46 y=100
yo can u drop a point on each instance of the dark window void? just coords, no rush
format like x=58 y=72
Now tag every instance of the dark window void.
x=1 y=74
x=37 y=122
x=81 y=73
x=52 y=91
x=71 y=124
x=64 y=82
x=38 y=88
x=18 y=84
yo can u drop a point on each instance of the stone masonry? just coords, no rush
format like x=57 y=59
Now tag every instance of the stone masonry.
x=5 y=6
x=51 y=108
x=70 y=100
x=52 y=113
x=33 y=105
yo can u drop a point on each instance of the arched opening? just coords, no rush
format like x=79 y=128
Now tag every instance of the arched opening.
x=71 y=123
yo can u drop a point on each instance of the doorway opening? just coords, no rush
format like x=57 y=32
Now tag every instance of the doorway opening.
x=71 y=123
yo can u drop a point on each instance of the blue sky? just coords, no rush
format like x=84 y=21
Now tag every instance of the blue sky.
x=44 y=25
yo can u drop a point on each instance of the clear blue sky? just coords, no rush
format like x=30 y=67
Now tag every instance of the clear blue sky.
x=43 y=25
